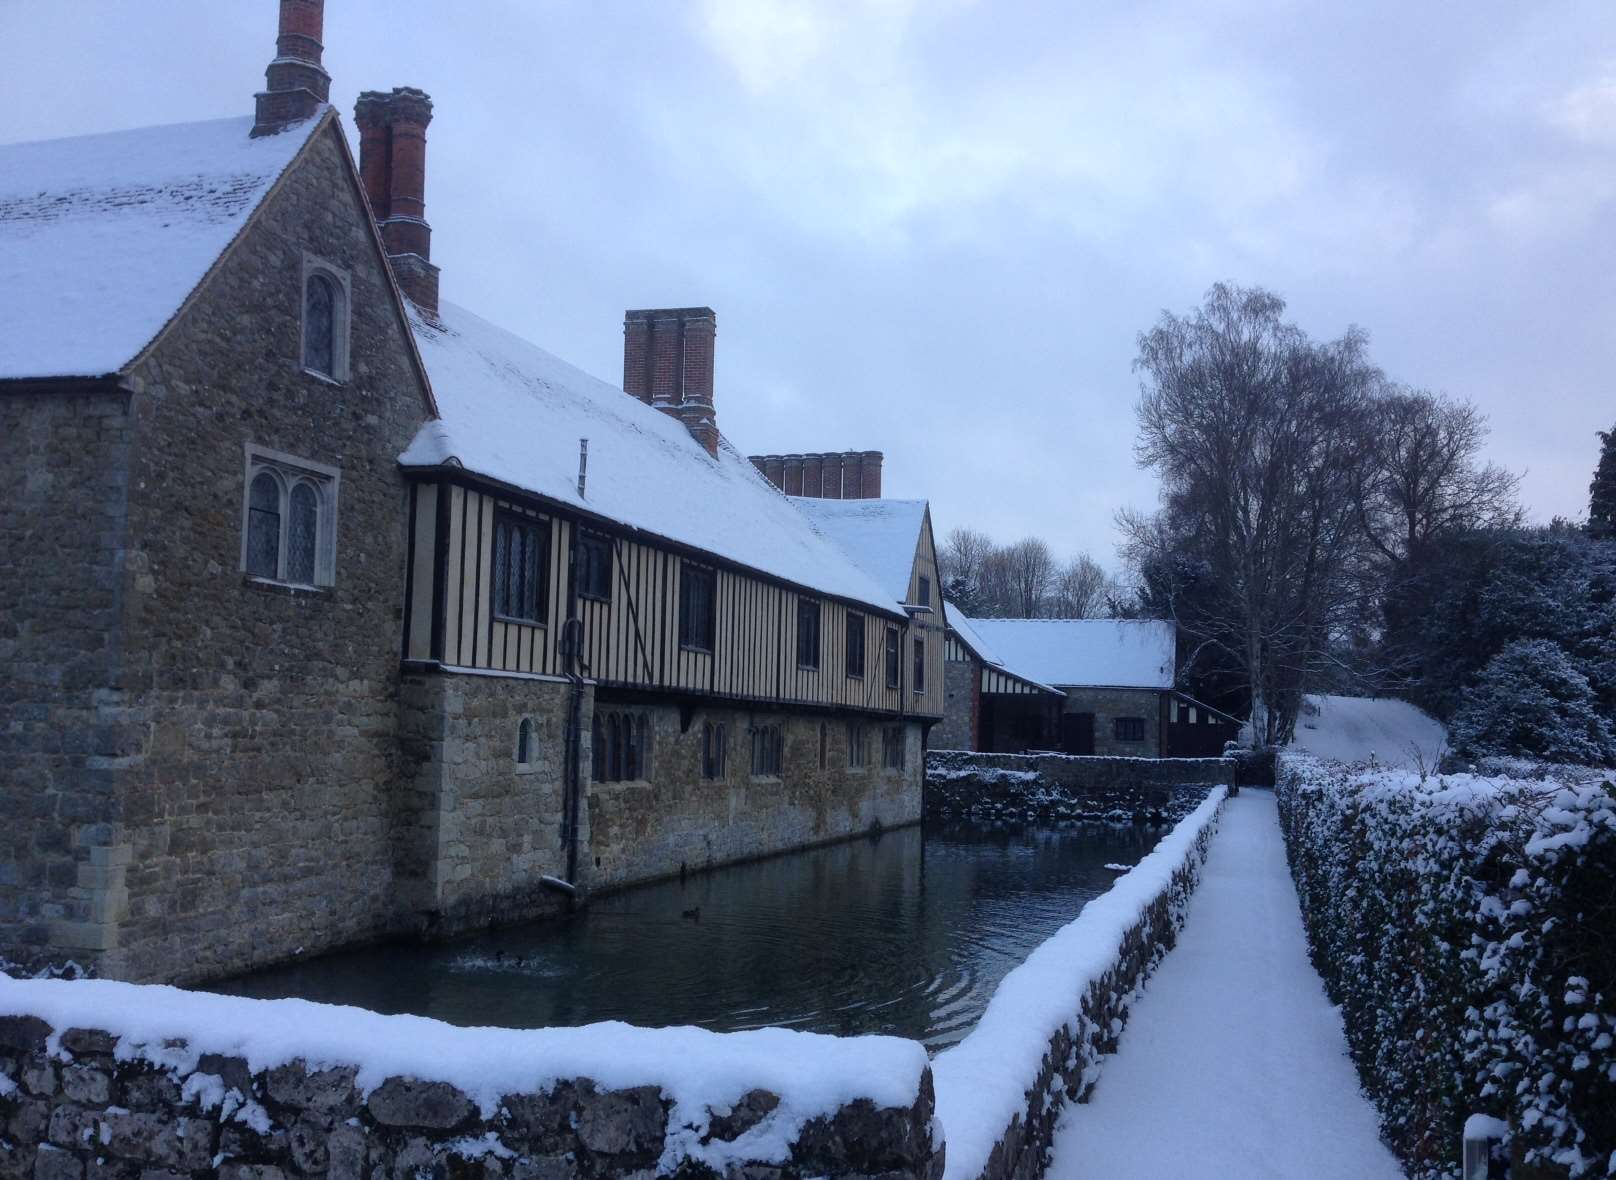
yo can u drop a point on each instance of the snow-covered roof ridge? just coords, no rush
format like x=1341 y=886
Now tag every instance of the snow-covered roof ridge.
x=881 y=536
x=1100 y=653
x=513 y=413
x=104 y=237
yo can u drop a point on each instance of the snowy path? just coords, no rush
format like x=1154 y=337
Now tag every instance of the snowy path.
x=1234 y=1064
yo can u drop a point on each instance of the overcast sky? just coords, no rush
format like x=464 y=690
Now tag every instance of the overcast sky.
x=936 y=229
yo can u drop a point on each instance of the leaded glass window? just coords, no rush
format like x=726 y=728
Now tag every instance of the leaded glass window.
x=264 y=526
x=302 y=534
x=521 y=547
x=320 y=311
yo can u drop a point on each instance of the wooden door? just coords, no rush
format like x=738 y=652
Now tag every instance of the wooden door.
x=1077 y=733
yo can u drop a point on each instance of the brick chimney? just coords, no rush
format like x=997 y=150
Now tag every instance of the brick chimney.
x=297 y=85
x=847 y=475
x=392 y=165
x=668 y=363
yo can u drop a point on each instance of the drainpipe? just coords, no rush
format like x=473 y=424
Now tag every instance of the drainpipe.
x=571 y=643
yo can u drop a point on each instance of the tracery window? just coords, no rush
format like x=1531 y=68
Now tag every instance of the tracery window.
x=620 y=746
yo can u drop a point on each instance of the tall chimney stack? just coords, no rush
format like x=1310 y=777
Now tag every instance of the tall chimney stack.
x=668 y=363
x=297 y=85
x=392 y=166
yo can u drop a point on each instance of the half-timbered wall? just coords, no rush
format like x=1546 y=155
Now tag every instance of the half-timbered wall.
x=630 y=638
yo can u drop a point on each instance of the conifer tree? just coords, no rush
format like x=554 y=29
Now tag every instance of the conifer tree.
x=1602 y=492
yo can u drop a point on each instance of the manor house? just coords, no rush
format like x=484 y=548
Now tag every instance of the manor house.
x=333 y=611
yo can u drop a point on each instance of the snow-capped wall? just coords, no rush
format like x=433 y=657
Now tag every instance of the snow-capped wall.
x=154 y=1078
x=1464 y=923
x=1052 y=1019
x=1068 y=787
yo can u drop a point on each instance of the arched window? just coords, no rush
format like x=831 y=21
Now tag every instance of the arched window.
x=264 y=526
x=302 y=534
x=524 y=742
x=321 y=308
x=289 y=525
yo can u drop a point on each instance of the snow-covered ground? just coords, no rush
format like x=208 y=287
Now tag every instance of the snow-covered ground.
x=1351 y=729
x=1234 y=1065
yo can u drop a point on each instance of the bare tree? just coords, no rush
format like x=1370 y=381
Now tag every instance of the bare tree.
x=1082 y=590
x=963 y=552
x=1031 y=569
x=1259 y=437
x=1425 y=479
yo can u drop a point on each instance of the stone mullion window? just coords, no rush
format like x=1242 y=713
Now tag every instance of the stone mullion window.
x=289 y=519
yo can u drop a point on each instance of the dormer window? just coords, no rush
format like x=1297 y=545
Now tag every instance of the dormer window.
x=325 y=320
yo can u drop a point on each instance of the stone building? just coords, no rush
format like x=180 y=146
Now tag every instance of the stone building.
x=1078 y=686
x=333 y=612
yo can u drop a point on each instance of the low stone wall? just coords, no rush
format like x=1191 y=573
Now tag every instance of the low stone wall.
x=1051 y=1021
x=1063 y=786
x=79 y=1102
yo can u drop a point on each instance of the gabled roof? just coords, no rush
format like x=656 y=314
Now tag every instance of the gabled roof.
x=1109 y=653
x=104 y=237
x=966 y=633
x=513 y=413
x=881 y=536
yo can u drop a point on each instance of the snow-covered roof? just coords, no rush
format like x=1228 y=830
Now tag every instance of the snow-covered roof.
x=512 y=412
x=964 y=628
x=881 y=536
x=103 y=237
x=1114 y=653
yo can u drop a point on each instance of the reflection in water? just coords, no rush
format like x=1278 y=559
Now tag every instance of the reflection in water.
x=907 y=934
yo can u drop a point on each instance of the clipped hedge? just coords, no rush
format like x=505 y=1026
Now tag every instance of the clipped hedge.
x=1467 y=927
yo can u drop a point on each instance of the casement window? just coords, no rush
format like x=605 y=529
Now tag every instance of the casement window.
x=768 y=750
x=920 y=664
x=714 y=747
x=521 y=568
x=620 y=746
x=892 y=747
x=289 y=519
x=325 y=317
x=894 y=659
x=698 y=606
x=594 y=570
x=925 y=591
x=807 y=633
x=1128 y=729
x=855 y=644
x=858 y=745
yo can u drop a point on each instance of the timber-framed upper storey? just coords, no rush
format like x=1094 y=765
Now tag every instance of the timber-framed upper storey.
x=631 y=637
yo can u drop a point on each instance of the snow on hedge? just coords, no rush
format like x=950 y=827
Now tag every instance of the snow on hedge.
x=1467 y=926
x=983 y=1082
x=700 y=1072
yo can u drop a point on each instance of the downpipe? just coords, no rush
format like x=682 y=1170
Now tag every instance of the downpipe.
x=571 y=645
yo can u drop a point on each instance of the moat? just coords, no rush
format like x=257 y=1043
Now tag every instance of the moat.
x=907 y=933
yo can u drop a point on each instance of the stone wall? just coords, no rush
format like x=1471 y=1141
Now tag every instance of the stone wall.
x=64 y=470
x=641 y=831
x=962 y=681
x=1109 y=704
x=482 y=829
x=1062 y=786
x=76 y=1103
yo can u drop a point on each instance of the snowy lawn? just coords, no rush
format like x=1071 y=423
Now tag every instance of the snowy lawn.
x=1234 y=1064
x=1354 y=729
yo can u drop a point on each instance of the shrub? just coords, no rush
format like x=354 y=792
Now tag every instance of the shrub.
x=1532 y=700
x=1465 y=927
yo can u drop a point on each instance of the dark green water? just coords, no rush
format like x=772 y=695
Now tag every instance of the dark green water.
x=907 y=934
